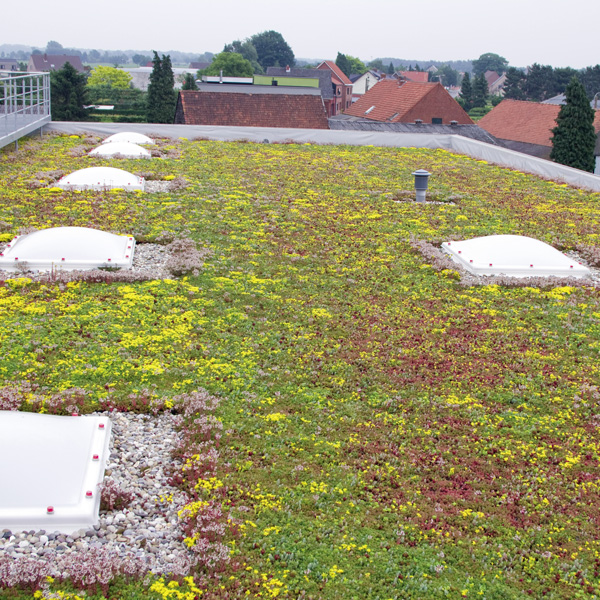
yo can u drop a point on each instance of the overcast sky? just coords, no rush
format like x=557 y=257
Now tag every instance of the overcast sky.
x=555 y=32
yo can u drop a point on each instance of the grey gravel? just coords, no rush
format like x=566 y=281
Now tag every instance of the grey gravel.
x=149 y=528
x=147 y=259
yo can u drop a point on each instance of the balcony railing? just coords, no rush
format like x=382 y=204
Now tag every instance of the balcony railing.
x=24 y=104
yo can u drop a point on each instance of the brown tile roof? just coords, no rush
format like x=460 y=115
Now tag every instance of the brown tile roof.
x=395 y=101
x=520 y=121
x=336 y=71
x=53 y=62
x=248 y=109
x=491 y=77
x=418 y=76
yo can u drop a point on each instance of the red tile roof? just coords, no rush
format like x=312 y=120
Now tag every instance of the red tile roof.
x=529 y=122
x=247 y=109
x=395 y=101
x=418 y=76
x=336 y=71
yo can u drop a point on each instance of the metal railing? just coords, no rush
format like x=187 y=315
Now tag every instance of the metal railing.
x=24 y=104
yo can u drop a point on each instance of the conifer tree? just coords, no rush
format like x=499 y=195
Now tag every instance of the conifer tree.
x=574 y=137
x=189 y=83
x=68 y=94
x=480 y=91
x=466 y=93
x=513 y=86
x=343 y=64
x=161 y=96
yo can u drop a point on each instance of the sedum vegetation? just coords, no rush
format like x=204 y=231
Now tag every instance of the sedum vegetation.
x=378 y=428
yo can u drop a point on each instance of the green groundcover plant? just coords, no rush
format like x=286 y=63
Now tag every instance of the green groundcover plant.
x=379 y=428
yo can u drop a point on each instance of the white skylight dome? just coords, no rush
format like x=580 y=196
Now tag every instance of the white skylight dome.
x=513 y=255
x=68 y=248
x=50 y=468
x=128 y=136
x=101 y=178
x=126 y=149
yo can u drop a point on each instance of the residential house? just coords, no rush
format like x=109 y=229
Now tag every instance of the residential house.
x=324 y=77
x=525 y=126
x=9 y=64
x=342 y=88
x=361 y=84
x=251 y=106
x=416 y=76
x=53 y=62
x=198 y=66
x=397 y=101
x=495 y=83
x=597 y=155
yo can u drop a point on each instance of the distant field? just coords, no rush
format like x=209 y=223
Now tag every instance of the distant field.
x=387 y=431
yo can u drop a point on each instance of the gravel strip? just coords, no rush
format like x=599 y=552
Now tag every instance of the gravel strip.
x=148 y=259
x=140 y=452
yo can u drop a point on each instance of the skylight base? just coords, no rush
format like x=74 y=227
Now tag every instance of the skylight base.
x=50 y=468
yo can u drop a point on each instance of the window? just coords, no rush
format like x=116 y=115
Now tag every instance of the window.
x=437 y=121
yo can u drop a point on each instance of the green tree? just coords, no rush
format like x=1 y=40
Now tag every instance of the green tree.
x=140 y=59
x=480 y=91
x=68 y=94
x=344 y=65
x=377 y=65
x=248 y=51
x=574 y=137
x=466 y=93
x=272 y=50
x=560 y=80
x=161 y=95
x=356 y=65
x=109 y=76
x=447 y=75
x=189 y=82
x=53 y=47
x=538 y=82
x=390 y=69
x=490 y=62
x=231 y=64
x=514 y=84
x=590 y=77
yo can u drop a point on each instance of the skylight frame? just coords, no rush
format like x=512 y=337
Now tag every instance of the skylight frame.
x=513 y=256
x=55 y=475
x=125 y=149
x=129 y=136
x=62 y=248
x=101 y=178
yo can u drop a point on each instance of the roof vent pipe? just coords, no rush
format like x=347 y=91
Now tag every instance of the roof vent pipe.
x=418 y=121
x=453 y=123
x=421 y=183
